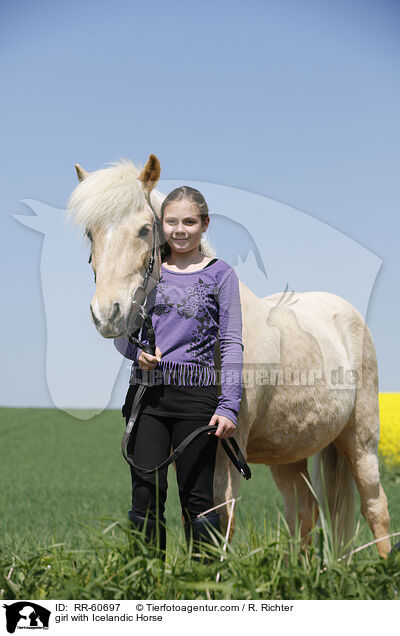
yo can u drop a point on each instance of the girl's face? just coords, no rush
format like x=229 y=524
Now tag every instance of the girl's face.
x=182 y=226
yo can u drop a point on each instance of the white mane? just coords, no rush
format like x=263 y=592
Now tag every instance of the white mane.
x=108 y=195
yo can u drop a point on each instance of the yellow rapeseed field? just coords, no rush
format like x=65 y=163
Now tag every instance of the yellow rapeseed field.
x=389 y=444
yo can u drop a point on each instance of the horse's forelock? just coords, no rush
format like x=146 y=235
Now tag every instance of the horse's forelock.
x=106 y=195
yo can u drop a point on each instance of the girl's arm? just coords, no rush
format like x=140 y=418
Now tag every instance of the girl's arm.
x=231 y=347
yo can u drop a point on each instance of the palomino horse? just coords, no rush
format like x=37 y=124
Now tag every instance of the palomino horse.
x=311 y=384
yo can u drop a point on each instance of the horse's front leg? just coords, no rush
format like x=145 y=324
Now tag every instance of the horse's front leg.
x=300 y=506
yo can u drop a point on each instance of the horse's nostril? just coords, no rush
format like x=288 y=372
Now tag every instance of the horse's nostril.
x=95 y=320
x=115 y=311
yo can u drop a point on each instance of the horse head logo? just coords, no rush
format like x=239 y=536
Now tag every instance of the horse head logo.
x=251 y=232
x=26 y=614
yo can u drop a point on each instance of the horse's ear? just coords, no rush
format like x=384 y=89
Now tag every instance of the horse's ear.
x=82 y=174
x=150 y=174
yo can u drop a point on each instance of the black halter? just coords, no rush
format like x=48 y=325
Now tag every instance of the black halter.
x=151 y=347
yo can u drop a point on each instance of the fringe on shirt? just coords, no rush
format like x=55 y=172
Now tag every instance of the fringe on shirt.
x=180 y=373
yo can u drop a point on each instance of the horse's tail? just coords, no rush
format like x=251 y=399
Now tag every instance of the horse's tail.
x=334 y=486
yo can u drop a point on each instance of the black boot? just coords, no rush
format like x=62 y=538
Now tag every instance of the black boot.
x=200 y=530
x=152 y=528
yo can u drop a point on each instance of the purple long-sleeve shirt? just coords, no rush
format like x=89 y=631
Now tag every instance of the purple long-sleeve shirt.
x=189 y=312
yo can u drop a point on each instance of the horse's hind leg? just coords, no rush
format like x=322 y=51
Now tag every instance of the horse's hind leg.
x=299 y=503
x=359 y=443
x=363 y=460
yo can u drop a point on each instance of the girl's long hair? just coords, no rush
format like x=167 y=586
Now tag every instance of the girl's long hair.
x=192 y=196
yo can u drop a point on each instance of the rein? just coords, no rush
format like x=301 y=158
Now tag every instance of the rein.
x=238 y=460
x=234 y=454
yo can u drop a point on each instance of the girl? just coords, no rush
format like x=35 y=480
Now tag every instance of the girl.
x=195 y=302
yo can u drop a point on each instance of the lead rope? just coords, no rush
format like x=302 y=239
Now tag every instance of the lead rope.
x=238 y=460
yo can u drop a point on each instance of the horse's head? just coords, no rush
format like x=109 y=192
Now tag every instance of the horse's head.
x=111 y=206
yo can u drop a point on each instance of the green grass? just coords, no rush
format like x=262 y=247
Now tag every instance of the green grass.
x=64 y=481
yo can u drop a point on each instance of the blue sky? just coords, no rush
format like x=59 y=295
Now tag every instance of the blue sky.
x=294 y=101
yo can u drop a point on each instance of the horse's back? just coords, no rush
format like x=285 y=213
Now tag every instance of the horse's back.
x=337 y=325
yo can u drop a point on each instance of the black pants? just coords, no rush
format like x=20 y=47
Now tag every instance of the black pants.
x=150 y=445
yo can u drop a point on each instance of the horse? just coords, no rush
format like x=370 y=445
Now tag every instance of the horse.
x=310 y=380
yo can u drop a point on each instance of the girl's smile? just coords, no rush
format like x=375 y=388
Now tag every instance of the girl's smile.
x=182 y=226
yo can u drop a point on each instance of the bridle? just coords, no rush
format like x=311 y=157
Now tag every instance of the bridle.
x=235 y=455
x=151 y=347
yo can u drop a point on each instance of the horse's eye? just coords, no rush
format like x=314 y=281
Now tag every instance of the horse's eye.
x=89 y=235
x=144 y=230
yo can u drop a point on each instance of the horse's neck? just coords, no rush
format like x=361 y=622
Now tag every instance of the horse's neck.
x=247 y=296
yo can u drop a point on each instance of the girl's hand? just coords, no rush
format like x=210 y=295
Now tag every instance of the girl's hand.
x=226 y=427
x=149 y=362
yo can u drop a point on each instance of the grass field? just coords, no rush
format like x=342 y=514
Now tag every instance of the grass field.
x=63 y=481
